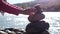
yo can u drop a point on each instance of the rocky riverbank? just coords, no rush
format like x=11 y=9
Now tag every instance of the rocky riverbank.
x=11 y=31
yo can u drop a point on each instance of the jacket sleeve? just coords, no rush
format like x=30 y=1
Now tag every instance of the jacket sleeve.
x=9 y=8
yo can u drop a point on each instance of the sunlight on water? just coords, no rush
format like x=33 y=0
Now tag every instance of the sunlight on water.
x=53 y=18
x=20 y=21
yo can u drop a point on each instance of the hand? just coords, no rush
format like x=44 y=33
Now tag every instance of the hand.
x=30 y=11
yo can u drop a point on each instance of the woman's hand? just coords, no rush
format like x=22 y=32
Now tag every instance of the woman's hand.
x=29 y=11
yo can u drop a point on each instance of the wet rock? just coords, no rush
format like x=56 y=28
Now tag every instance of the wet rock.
x=2 y=32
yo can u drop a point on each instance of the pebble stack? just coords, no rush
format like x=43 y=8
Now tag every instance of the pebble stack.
x=37 y=25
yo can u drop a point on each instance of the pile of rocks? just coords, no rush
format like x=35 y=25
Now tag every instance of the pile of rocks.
x=37 y=25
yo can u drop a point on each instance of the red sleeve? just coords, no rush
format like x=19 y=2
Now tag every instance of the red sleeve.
x=12 y=9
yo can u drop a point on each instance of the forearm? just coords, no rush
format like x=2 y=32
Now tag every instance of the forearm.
x=12 y=9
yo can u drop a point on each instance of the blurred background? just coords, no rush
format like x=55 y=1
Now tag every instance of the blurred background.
x=51 y=9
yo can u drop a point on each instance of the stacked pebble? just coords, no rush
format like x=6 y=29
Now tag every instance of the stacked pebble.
x=37 y=25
